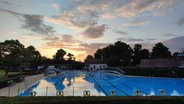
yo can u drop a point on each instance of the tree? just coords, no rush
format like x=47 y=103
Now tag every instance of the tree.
x=33 y=56
x=145 y=54
x=160 y=51
x=137 y=54
x=11 y=50
x=89 y=57
x=59 y=56
x=98 y=53
x=70 y=56
x=118 y=51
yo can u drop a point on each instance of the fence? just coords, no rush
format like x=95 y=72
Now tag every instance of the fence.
x=15 y=89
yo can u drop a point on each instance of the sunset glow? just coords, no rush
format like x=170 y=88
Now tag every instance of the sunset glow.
x=81 y=27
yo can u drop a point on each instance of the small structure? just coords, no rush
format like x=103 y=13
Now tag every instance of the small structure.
x=86 y=93
x=160 y=63
x=59 y=93
x=162 y=92
x=137 y=93
x=180 y=57
x=112 y=93
x=95 y=64
x=32 y=93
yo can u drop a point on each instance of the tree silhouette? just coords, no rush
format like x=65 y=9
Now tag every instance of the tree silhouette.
x=59 y=56
x=160 y=51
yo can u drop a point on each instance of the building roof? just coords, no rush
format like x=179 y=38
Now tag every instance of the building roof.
x=180 y=55
x=94 y=61
x=160 y=62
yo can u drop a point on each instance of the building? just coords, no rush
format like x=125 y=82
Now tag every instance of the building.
x=180 y=57
x=160 y=62
x=95 y=64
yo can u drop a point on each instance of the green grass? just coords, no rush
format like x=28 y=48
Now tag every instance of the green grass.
x=2 y=72
x=92 y=100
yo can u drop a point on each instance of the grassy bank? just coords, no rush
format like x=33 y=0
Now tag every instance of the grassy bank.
x=2 y=72
x=92 y=100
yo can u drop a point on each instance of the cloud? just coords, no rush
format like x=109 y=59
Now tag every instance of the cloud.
x=55 y=6
x=10 y=12
x=79 y=14
x=5 y=2
x=170 y=34
x=69 y=42
x=133 y=8
x=151 y=39
x=136 y=23
x=147 y=45
x=75 y=20
x=175 y=44
x=34 y=23
x=180 y=22
x=94 y=32
x=82 y=14
x=120 y=32
x=130 y=39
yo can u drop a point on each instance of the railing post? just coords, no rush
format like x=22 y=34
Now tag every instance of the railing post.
x=73 y=90
x=46 y=90
x=9 y=91
x=18 y=89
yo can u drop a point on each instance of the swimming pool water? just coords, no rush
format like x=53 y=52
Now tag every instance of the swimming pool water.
x=74 y=83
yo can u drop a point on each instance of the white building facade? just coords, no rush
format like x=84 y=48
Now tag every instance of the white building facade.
x=94 y=67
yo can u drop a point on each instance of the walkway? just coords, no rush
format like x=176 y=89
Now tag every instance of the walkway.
x=14 y=89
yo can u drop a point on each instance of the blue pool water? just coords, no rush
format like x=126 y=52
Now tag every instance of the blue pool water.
x=74 y=83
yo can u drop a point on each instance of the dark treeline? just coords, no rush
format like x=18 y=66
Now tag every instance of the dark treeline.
x=14 y=54
x=122 y=54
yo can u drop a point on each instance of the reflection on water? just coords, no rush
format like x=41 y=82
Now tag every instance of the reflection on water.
x=152 y=93
x=71 y=85
x=45 y=88
x=76 y=85
x=175 y=93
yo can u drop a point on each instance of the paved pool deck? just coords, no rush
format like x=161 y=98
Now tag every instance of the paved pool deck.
x=14 y=89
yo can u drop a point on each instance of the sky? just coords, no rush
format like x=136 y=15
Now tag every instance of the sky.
x=83 y=26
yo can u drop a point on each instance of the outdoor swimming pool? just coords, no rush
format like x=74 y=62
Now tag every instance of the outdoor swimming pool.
x=101 y=83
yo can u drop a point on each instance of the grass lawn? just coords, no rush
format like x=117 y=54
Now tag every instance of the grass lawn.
x=2 y=72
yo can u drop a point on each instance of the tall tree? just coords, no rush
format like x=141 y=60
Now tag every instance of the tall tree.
x=145 y=54
x=11 y=50
x=59 y=56
x=117 y=52
x=89 y=57
x=33 y=56
x=137 y=54
x=160 y=51
x=70 y=56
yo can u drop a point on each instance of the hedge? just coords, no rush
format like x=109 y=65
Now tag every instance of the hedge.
x=14 y=79
x=154 y=72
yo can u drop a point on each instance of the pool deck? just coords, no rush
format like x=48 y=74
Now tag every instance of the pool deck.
x=14 y=89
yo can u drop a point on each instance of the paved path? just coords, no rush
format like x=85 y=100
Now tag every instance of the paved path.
x=14 y=89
